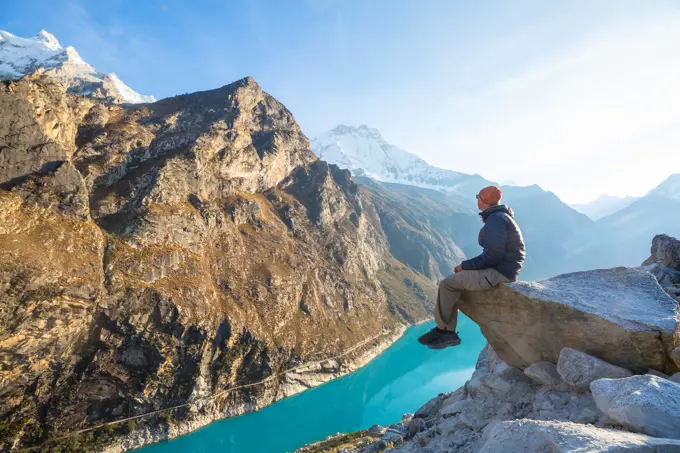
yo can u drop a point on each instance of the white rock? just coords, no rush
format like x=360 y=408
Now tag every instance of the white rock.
x=646 y=404
x=579 y=369
x=496 y=364
x=528 y=436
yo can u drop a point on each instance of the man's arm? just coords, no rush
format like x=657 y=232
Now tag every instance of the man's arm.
x=496 y=235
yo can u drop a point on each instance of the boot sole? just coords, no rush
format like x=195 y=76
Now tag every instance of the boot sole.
x=444 y=345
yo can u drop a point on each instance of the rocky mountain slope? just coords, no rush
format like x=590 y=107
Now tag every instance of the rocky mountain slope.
x=43 y=54
x=603 y=206
x=364 y=152
x=553 y=231
x=160 y=255
x=581 y=362
x=664 y=264
x=424 y=228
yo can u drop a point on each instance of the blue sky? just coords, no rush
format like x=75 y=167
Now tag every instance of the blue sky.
x=581 y=97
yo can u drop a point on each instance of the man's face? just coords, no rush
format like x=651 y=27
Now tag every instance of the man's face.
x=480 y=204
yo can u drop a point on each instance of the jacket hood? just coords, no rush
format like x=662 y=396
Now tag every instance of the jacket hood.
x=497 y=208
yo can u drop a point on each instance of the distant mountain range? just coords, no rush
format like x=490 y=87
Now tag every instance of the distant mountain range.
x=364 y=152
x=43 y=54
x=603 y=206
x=560 y=238
x=624 y=235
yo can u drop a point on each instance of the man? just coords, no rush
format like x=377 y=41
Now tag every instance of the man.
x=500 y=262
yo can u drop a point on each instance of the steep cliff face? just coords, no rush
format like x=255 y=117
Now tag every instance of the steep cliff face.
x=664 y=264
x=152 y=256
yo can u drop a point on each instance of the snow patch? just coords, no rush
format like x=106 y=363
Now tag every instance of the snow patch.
x=128 y=93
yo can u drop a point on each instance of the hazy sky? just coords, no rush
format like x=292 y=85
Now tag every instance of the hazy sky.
x=580 y=97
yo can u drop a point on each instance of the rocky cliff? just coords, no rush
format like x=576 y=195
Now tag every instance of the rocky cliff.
x=664 y=264
x=156 y=256
x=580 y=362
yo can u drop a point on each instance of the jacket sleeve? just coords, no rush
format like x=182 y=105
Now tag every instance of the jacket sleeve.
x=495 y=237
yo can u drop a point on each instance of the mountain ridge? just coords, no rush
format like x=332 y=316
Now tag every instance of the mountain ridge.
x=44 y=54
x=604 y=205
x=364 y=152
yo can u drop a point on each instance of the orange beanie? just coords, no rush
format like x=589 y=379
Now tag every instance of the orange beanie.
x=490 y=195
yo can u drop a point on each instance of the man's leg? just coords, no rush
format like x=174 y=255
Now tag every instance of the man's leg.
x=448 y=295
x=446 y=308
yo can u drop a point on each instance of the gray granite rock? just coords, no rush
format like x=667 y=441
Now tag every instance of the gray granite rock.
x=658 y=374
x=395 y=433
x=545 y=373
x=416 y=426
x=646 y=404
x=430 y=408
x=579 y=369
x=675 y=355
x=529 y=436
x=620 y=315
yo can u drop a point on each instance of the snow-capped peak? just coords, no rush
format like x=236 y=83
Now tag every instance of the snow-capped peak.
x=48 y=39
x=363 y=131
x=364 y=152
x=128 y=93
x=43 y=53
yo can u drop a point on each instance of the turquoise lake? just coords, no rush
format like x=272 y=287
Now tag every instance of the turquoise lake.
x=398 y=381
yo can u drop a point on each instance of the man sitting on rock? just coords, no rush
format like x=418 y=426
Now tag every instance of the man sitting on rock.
x=500 y=262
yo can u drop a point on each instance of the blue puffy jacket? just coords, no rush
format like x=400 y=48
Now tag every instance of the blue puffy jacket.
x=502 y=241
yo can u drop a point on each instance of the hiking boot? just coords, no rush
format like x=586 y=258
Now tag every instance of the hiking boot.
x=439 y=339
x=429 y=336
x=443 y=339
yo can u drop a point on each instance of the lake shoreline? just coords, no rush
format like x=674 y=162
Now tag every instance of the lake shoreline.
x=307 y=377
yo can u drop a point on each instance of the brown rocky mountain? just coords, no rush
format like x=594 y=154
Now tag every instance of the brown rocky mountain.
x=153 y=256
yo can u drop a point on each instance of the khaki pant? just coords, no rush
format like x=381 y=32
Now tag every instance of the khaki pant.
x=450 y=289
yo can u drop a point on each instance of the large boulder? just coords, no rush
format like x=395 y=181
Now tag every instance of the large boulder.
x=620 y=315
x=579 y=369
x=646 y=404
x=528 y=436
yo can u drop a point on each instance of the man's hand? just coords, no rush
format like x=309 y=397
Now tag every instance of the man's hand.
x=458 y=268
